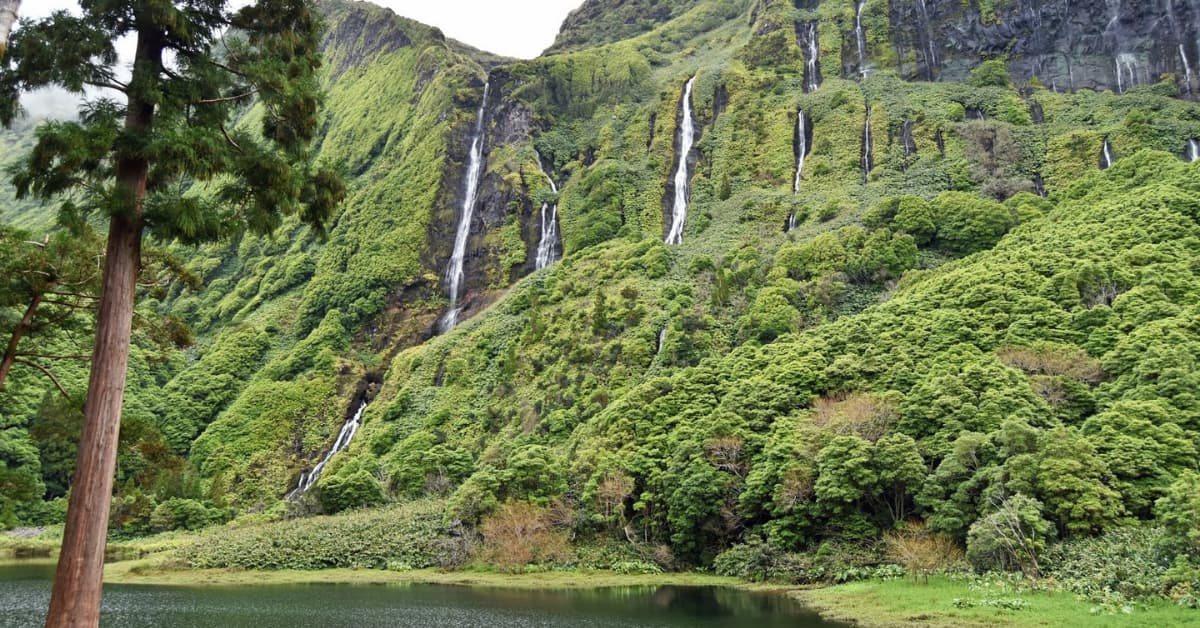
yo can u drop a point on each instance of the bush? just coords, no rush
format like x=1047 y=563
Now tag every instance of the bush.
x=410 y=535
x=357 y=490
x=922 y=551
x=178 y=513
x=990 y=73
x=520 y=534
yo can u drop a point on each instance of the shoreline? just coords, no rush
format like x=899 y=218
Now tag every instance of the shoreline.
x=870 y=604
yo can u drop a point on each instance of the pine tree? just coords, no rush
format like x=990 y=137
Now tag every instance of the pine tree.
x=168 y=161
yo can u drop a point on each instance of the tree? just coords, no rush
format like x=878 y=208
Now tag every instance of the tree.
x=1013 y=535
x=196 y=64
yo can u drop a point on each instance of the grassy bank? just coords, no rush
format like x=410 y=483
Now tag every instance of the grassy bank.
x=165 y=572
x=952 y=603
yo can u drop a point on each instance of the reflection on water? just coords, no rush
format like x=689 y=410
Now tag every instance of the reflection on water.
x=25 y=591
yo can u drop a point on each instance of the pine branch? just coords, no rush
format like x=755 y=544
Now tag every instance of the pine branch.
x=47 y=372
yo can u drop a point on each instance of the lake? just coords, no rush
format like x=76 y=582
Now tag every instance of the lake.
x=25 y=591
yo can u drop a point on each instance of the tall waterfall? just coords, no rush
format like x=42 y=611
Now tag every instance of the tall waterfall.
x=1193 y=150
x=454 y=270
x=686 y=139
x=549 y=248
x=308 y=478
x=931 y=61
x=801 y=148
x=1106 y=156
x=868 y=159
x=812 y=67
x=860 y=38
x=1187 y=69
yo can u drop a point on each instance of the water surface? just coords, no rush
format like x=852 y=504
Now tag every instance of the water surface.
x=25 y=592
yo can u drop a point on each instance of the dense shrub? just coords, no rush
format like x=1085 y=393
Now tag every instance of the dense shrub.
x=410 y=534
x=356 y=490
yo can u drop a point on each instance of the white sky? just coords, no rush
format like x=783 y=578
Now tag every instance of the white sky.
x=515 y=28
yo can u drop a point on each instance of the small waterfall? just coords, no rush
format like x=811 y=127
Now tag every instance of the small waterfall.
x=1106 y=156
x=801 y=143
x=454 y=270
x=662 y=339
x=812 y=68
x=792 y=222
x=686 y=139
x=860 y=37
x=868 y=160
x=309 y=478
x=906 y=138
x=1187 y=70
x=1126 y=64
x=1193 y=150
x=549 y=247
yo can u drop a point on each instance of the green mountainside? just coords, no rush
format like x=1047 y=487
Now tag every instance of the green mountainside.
x=955 y=307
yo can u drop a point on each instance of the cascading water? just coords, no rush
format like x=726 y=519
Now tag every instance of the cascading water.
x=931 y=61
x=1106 y=156
x=860 y=38
x=662 y=339
x=549 y=248
x=1193 y=150
x=868 y=160
x=801 y=148
x=309 y=478
x=812 y=68
x=686 y=139
x=454 y=270
x=1187 y=70
x=1126 y=67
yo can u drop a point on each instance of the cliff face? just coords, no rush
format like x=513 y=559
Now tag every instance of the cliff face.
x=1066 y=44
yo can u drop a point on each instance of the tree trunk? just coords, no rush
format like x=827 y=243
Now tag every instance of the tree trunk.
x=8 y=17
x=10 y=353
x=75 y=599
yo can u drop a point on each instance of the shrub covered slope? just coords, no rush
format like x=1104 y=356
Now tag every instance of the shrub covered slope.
x=970 y=323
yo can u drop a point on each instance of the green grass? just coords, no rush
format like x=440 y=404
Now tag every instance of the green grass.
x=908 y=603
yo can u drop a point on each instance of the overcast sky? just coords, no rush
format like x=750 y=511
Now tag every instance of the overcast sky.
x=515 y=28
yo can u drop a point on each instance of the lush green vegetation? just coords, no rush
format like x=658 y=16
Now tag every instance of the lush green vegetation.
x=938 y=344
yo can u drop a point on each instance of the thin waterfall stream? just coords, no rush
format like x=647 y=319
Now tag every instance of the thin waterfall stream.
x=868 y=158
x=1106 y=155
x=801 y=143
x=549 y=247
x=310 y=477
x=686 y=140
x=860 y=38
x=1193 y=150
x=454 y=269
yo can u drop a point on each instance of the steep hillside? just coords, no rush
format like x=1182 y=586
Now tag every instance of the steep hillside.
x=934 y=254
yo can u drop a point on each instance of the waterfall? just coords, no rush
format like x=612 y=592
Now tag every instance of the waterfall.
x=931 y=61
x=548 y=245
x=860 y=38
x=662 y=339
x=1106 y=156
x=867 y=148
x=801 y=149
x=686 y=139
x=812 y=68
x=1193 y=150
x=454 y=270
x=1187 y=69
x=792 y=222
x=308 y=478
x=1126 y=63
